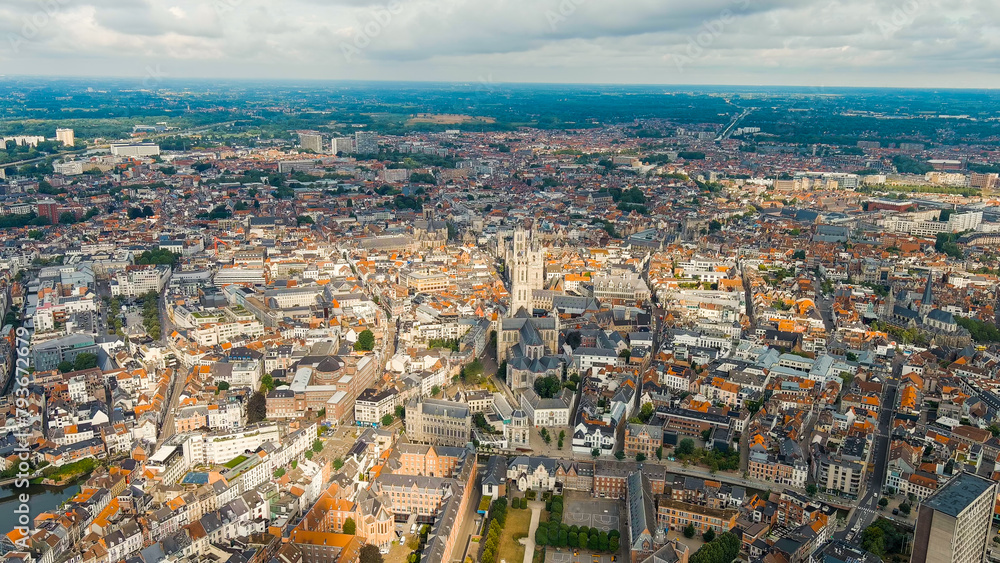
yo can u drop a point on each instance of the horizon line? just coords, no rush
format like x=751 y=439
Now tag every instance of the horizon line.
x=817 y=89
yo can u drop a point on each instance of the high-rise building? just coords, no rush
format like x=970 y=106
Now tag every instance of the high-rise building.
x=342 y=145
x=527 y=271
x=953 y=524
x=66 y=137
x=311 y=142
x=50 y=209
x=365 y=142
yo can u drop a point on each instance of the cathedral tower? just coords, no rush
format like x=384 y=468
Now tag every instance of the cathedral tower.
x=527 y=271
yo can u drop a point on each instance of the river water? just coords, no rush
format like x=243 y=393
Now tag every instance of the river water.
x=42 y=499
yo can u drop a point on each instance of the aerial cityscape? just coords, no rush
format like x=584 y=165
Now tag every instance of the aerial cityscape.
x=490 y=310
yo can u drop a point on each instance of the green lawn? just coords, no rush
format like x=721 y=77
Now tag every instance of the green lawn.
x=236 y=461
x=85 y=465
x=518 y=522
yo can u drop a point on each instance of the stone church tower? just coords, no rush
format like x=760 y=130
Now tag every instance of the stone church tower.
x=527 y=270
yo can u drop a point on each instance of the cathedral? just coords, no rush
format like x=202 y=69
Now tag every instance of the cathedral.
x=526 y=261
x=938 y=325
x=428 y=232
x=529 y=344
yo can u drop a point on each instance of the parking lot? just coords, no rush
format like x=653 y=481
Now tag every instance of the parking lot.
x=582 y=510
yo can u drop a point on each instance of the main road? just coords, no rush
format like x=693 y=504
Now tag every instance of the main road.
x=866 y=510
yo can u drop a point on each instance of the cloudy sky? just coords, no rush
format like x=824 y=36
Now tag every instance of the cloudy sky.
x=919 y=43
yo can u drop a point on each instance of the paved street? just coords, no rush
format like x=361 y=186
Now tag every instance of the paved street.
x=867 y=507
x=470 y=523
x=179 y=376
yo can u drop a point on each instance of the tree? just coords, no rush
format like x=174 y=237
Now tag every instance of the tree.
x=366 y=341
x=474 y=369
x=883 y=502
x=256 y=408
x=67 y=218
x=722 y=549
x=317 y=445
x=873 y=540
x=640 y=457
x=369 y=554
x=572 y=539
x=602 y=541
x=85 y=361
x=547 y=387
x=646 y=412
x=349 y=526
x=279 y=472
x=619 y=455
x=593 y=543
x=267 y=382
x=541 y=536
x=65 y=367
x=904 y=509
x=811 y=489
x=435 y=390
x=338 y=463
x=400 y=411
x=659 y=452
x=613 y=544
x=685 y=447
x=595 y=452
x=222 y=385
x=387 y=419
x=709 y=535
x=706 y=434
x=574 y=339
x=689 y=531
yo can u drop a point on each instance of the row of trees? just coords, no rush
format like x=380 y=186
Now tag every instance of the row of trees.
x=498 y=514
x=151 y=315
x=561 y=535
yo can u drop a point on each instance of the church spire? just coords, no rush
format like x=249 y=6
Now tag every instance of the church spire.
x=928 y=298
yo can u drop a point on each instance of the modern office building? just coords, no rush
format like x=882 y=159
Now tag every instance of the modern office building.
x=135 y=149
x=953 y=524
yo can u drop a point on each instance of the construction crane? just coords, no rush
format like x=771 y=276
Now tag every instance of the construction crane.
x=217 y=241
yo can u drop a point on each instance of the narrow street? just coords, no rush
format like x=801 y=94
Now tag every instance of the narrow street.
x=176 y=384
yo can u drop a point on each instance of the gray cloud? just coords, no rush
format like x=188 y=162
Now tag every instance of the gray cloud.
x=849 y=42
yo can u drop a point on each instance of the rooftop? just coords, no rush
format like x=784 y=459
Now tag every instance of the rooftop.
x=953 y=498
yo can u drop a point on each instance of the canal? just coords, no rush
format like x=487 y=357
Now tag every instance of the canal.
x=42 y=499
